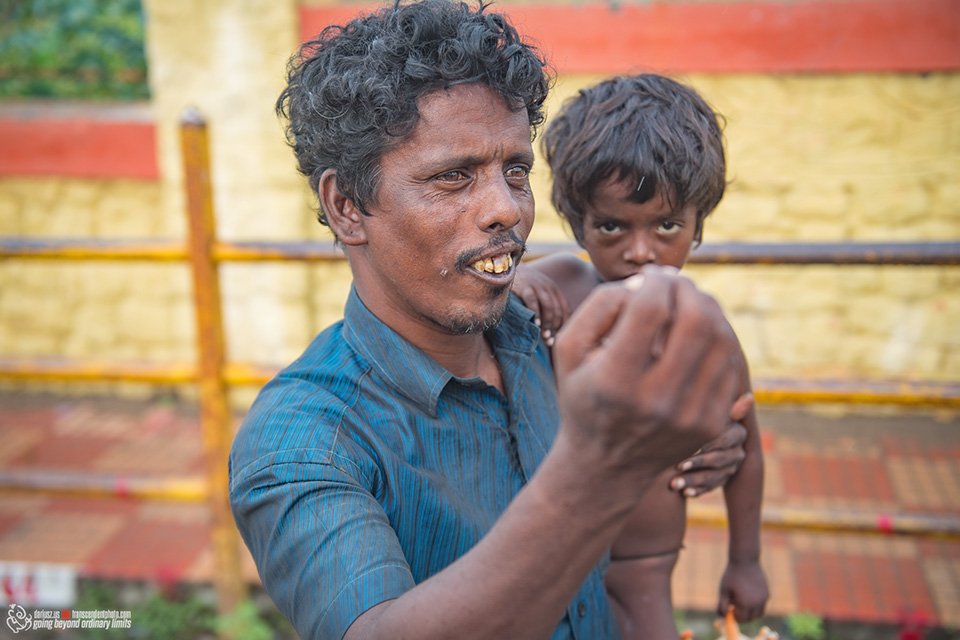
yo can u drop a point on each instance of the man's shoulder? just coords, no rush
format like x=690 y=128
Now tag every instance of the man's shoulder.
x=299 y=412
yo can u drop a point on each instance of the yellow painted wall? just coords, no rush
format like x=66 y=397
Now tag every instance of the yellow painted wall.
x=811 y=157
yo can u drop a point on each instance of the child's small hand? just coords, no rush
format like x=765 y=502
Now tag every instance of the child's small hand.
x=544 y=298
x=744 y=586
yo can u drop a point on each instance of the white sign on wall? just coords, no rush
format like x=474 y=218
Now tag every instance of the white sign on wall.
x=37 y=584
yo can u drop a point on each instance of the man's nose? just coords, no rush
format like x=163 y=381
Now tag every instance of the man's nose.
x=499 y=207
x=640 y=250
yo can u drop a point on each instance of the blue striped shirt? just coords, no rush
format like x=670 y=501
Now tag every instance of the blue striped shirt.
x=365 y=467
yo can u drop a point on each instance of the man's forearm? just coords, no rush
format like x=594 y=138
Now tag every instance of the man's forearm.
x=518 y=581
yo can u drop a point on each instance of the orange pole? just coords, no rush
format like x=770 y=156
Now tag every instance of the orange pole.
x=919 y=525
x=103 y=485
x=71 y=249
x=47 y=368
x=214 y=409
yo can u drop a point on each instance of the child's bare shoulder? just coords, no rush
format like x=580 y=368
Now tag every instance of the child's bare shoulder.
x=573 y=275
x=563 y=267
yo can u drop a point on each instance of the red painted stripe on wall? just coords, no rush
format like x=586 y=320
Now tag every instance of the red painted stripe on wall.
x=79 y=147
x=728 y=37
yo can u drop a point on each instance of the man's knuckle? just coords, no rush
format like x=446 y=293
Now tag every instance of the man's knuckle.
x=660 y=409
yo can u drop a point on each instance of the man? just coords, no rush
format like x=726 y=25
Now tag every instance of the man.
x=419 y=472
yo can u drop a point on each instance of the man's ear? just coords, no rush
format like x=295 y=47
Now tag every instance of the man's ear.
x=343 y=215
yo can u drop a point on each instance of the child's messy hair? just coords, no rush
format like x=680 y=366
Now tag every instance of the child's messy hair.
x=645 y=129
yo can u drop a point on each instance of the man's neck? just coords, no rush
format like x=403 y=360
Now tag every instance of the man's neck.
x=468 y=355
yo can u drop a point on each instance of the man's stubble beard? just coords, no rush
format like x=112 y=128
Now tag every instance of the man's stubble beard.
x=462 y=323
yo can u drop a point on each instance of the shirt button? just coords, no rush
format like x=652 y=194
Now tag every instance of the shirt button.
x=582 y=609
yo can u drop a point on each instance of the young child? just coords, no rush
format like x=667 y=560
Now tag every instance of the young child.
x=638 y=163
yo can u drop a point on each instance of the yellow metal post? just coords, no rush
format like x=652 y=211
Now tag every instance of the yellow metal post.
x=214 y=409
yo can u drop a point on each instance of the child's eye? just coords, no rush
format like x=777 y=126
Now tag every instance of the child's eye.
x=670 y=227
x=608 y=228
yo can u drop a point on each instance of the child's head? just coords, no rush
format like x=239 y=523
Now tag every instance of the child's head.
x=637 y=165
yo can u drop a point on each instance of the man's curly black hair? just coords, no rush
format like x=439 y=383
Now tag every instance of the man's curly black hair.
x=352 y=91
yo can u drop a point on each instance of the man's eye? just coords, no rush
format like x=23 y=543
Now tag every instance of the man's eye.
x=609 y=228
x=452 y=176
x=518 y=171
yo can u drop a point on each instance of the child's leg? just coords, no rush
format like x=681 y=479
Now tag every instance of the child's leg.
x=642 y=562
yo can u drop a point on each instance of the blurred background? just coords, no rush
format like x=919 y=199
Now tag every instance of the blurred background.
x=130 y=345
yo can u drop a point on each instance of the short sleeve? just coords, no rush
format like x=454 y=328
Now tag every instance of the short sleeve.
x=321 y=542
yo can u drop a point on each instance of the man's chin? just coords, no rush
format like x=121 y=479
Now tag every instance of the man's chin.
x=480 y=321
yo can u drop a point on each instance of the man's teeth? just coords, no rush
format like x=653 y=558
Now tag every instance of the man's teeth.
x=497 y=264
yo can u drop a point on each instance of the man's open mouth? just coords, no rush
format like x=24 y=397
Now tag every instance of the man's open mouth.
x=496 y=264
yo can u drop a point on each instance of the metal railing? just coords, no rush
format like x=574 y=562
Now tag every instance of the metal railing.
x=213 y=374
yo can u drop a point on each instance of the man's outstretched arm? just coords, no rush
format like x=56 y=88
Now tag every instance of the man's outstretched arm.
x=644 y=381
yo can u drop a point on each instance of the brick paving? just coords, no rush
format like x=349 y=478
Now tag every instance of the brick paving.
x=907 y=463
x=893 y=464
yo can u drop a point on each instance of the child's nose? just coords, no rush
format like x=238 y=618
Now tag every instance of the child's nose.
x=640 y=250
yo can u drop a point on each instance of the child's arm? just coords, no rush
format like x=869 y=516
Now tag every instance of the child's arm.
x=552 y=287
x=744 y=584
x=541 y=295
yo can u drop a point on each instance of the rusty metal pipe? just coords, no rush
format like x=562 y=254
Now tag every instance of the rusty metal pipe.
x=103 y=485
x=922 y=525
x=908 y=393
x=215 y=419
x=59 y=369
x=912 y=393
x=70 y=249
x=824 y=253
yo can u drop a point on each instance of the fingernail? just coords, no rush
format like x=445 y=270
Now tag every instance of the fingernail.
x=536 y=321
x=686 y=465
x=690 y=493
x=550 y=342
x=679 y=483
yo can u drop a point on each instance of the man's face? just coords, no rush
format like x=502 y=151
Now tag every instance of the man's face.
x=452 y=210
x=621 y=236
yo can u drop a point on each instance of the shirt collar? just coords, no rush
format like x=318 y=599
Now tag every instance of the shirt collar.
x=413 y=372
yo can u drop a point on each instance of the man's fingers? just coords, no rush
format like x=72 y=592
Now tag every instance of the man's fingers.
x=741 y=407
x=647 y=313
x=695 y=483
x=694 y=356
x=726 y=461
x=588 y=326
x=733 y=437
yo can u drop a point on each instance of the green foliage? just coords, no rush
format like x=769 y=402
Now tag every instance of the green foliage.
x=679 y=618
x=161 y=619
x=72 y=49
x=188 y=615
x=97 y=596
x=805 y=626
x=245 y=623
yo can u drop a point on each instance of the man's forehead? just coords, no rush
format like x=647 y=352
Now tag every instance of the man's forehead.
x=465 y=117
